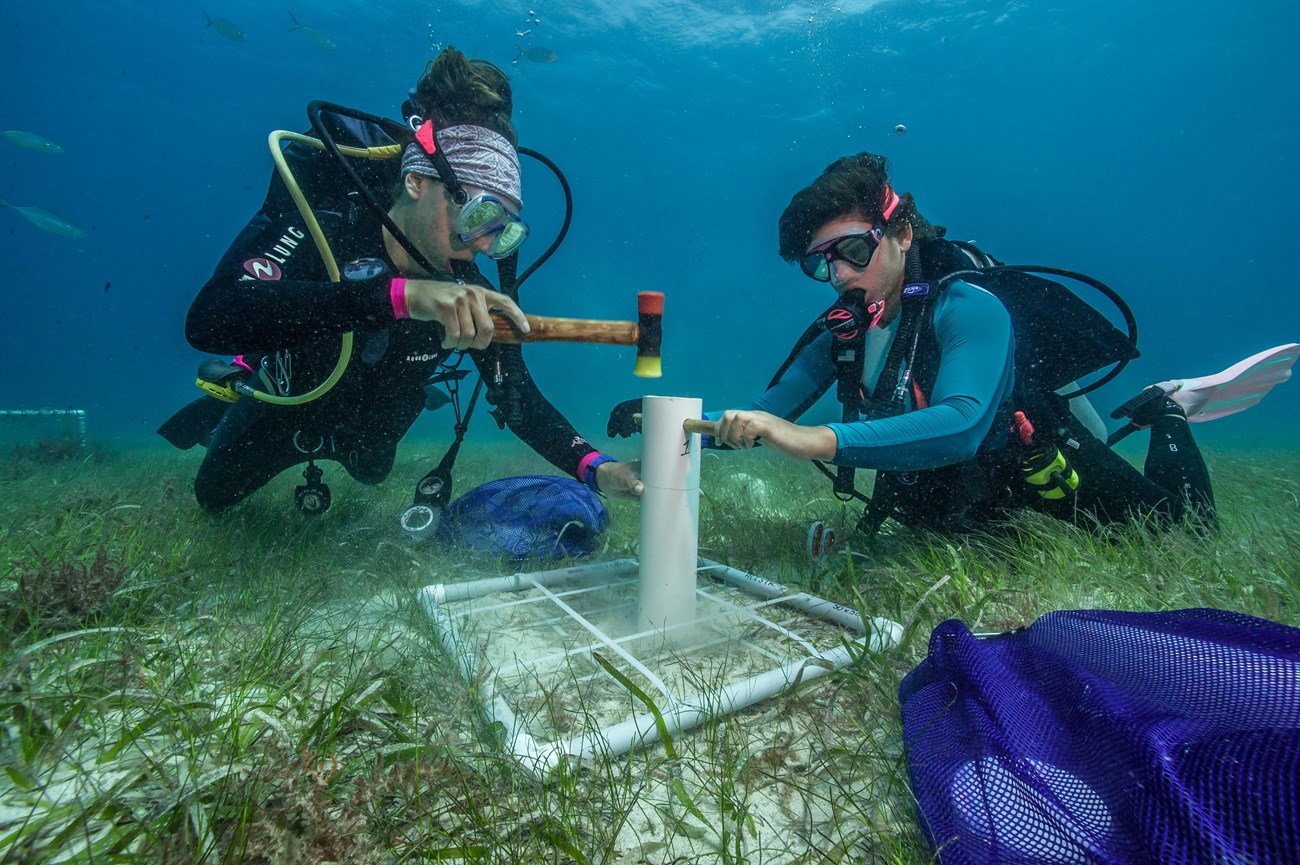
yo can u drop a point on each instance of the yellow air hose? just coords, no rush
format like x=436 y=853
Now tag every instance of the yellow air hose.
x=322 y=246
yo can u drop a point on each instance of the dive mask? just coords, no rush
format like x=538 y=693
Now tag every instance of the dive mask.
x=487 y=214
x=856 y=249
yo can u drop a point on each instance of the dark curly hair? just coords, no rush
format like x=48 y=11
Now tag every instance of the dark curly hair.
x=455 y=89
x=850 y=186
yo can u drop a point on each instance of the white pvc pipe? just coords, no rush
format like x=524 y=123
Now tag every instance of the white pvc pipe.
x=670 y=513
x=42 y=412
x=538 y=757
x=446 y=593
x=885 y=633
x=641 y=730
x=77 y=413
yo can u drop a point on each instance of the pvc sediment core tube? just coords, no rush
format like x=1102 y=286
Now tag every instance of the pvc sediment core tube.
x=670 y=515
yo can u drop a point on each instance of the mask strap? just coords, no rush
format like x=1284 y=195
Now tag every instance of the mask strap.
x=424 y=136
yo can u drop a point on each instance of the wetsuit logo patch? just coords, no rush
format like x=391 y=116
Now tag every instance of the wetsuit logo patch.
x=266 y=267
x=263 y=269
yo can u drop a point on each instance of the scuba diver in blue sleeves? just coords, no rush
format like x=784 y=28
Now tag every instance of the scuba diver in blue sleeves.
x=957 y=377
x=352 y=297
x=958 y=431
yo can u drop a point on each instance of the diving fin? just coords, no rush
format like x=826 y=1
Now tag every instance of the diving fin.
x=193 y=424
x=1237 y=388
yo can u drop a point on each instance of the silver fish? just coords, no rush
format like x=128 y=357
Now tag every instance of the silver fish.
x=314 y=36
x=42 y=218
x=31 y=141
x=225 y=28
x=537 y=54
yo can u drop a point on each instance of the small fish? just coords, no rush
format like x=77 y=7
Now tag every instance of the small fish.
x=31 y=141
x=225 y=28
x=42 y=218
x=537 y=54
x=314 y=36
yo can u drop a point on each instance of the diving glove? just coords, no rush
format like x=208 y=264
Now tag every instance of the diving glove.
x=623 y=420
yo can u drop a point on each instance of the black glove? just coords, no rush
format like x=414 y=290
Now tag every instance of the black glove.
x=621 y=423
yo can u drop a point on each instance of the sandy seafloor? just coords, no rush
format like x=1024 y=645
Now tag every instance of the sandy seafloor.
x=781 y=766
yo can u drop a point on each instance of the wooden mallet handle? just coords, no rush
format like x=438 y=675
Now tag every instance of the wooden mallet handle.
x=701 y=426
x=691 y=425
x=646 y=333
x=548 y=329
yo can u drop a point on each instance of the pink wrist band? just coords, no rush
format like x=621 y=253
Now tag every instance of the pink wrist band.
x=397 y=296
x=584 y=462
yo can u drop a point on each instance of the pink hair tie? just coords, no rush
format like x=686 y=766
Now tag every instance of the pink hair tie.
x=891 y=203
x=397 y=296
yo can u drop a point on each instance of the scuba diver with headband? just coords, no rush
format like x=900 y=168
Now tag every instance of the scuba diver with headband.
x=337 y=347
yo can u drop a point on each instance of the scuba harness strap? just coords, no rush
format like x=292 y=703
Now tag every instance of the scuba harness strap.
x=888 y=397
x=434 y=489
x=900 y=374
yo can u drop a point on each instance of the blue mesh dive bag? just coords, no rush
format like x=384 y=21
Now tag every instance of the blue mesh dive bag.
x=1109 y=737
x=526 y=517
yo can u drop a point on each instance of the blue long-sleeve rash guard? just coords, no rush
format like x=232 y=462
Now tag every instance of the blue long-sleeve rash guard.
x=976 y=375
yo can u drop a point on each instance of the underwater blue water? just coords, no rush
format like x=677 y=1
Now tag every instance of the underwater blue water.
x=1149 y=144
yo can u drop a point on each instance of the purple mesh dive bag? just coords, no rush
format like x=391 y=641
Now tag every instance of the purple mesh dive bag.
x=1108 y=737
x=533 y=515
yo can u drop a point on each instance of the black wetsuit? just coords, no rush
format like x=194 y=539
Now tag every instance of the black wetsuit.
x=271 y=301
x=1174 y=481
